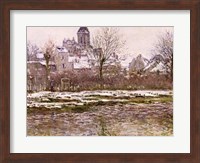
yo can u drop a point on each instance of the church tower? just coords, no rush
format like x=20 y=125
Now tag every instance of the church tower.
x=83 y=37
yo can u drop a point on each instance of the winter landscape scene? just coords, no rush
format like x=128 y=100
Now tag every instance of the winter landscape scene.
x=99 y=81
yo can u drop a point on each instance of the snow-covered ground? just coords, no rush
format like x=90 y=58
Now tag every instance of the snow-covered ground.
x=58 y=99
x=118 y=93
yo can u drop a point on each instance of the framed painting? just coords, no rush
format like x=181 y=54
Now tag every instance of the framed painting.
x=102 y=81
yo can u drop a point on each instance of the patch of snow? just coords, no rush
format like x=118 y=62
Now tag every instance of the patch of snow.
x=29 y=62
x=44 y=63
x=158 y=67
x=40 y=55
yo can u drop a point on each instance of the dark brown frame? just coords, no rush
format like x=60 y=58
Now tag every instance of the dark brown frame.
x=7 y=5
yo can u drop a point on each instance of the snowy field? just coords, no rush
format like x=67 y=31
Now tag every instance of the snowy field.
x=58 y=99
x=100 y=113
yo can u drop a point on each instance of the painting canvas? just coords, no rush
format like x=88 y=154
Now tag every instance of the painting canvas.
x=100 y=81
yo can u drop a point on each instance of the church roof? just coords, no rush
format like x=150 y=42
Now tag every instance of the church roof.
x=83 y=29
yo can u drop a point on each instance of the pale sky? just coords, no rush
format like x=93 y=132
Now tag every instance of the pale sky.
x=139 y=40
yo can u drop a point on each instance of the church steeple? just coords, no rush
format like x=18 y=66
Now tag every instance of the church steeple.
x=83 y=36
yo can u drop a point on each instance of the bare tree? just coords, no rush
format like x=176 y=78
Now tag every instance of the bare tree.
x=32 y=50
x=49 y=52
x=164 y=48
x=107 y=43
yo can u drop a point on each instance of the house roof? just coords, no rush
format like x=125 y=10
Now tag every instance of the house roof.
x=61 y=49
x=43 y=62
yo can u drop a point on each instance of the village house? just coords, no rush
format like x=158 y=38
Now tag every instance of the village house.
x=36 y=74
x=142 y=65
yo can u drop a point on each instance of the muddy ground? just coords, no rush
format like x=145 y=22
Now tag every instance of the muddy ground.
x=108 y=113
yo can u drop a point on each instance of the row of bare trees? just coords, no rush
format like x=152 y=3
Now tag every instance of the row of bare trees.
x=164 y=48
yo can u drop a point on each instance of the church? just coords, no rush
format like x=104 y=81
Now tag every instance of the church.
x=70 y=56
x=74 y=55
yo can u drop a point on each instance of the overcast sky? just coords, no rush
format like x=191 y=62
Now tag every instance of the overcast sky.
x=139 y=40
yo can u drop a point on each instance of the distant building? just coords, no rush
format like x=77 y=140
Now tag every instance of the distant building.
x=62 y=60
x=83 y=37
x=36 y=74
x=138 y=64
x=74 y=55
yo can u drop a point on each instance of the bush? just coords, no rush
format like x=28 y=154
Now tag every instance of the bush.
x=89 y=80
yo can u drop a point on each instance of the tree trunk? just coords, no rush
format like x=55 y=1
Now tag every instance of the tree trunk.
x=171 y=75
x=101 y=74
x=101 y=70
x=47 y=76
